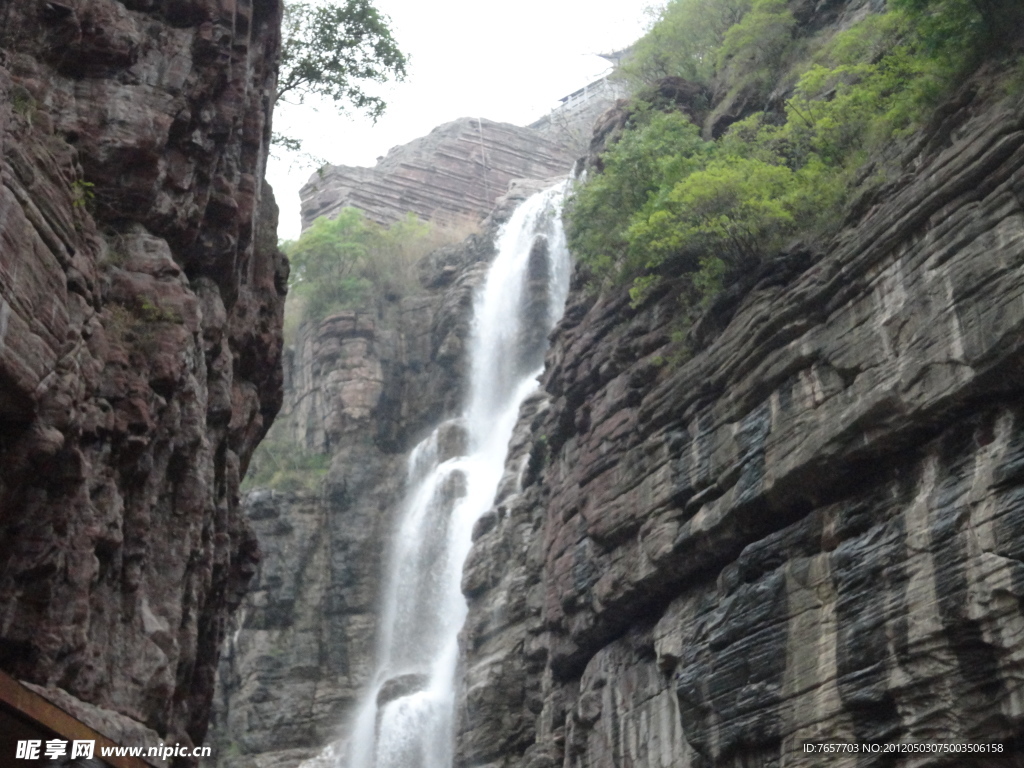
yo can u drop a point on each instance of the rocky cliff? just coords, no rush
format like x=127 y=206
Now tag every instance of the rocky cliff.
x=141 y=293
x=807 y=525
x=800 y=523
x=363 y=387
x=454 y=173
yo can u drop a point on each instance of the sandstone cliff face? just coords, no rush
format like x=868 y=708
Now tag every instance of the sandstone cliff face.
x=810 y=529
x=456 y=172
x=141 y=293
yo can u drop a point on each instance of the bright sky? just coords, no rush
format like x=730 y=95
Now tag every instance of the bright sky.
x=507 y=61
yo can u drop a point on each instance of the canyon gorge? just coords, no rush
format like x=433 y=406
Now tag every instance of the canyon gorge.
x=796 y=517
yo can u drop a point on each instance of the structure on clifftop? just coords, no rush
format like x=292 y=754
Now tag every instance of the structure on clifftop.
x=573 y=119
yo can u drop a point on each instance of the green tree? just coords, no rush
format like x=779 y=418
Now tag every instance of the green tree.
x=682 y=41
x=351 y=261
x=327 y=260
x=964 y=27
x=753 y=48
x=656 y=151
x=333 y=51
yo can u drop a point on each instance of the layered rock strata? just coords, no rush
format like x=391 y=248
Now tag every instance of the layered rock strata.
x=363 y=386
x=807 y=528
x=141 y=295
x=455 y=173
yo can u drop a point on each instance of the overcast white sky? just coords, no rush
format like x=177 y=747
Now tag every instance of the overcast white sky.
x=507 y=61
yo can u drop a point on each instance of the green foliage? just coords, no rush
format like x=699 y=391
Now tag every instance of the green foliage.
x=683 y=41
x=327 y=260
x=753 y=48
x=724 y=219
x=82 y=193
x=350 y=261
x=139 y=323
x=1014 y=84
x=668 y=203
x=333 y=51
x=148 y=312
x=735 y=209
x=22 y=102
x=872 y=83
x=233 y=749
x=657 y=150
x=952 y=30
x=278 y=464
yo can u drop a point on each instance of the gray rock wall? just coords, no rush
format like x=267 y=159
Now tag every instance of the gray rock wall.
x=454 y=174
x=810 y=529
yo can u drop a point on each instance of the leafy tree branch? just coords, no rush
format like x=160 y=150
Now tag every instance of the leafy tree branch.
x=333 y=51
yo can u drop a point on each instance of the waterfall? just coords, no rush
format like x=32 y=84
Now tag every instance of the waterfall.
x=405 y=719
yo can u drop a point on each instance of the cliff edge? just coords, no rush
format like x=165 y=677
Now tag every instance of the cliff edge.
x=456 y=172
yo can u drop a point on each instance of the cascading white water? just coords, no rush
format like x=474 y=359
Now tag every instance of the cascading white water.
x=405 y=720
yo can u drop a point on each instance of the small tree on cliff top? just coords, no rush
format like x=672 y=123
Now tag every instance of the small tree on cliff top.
x=332 y=51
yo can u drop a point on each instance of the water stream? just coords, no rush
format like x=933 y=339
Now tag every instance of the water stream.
x=405 y=720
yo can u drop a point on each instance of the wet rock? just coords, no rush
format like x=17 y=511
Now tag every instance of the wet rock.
x=399 y=687
x=537 y=310
x=452 y=439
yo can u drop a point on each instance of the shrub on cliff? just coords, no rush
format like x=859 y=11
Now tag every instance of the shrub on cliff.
x=963 y=31
x=669 y=203
x=327 y=260
x=657 y=150
x=753 y=49
x=683 y=41
x=278 y=464
x=350 y=261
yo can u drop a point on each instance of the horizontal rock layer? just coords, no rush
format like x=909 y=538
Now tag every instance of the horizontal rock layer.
x=141 y=296
x=809 y=529
x=453 y=174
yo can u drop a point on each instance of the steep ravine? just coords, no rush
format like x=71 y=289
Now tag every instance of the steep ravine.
x=141 y=296
x=808 y=528
x=803 y=524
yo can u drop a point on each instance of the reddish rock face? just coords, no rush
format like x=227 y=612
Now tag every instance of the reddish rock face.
x=458 y=171
x=141 y=294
